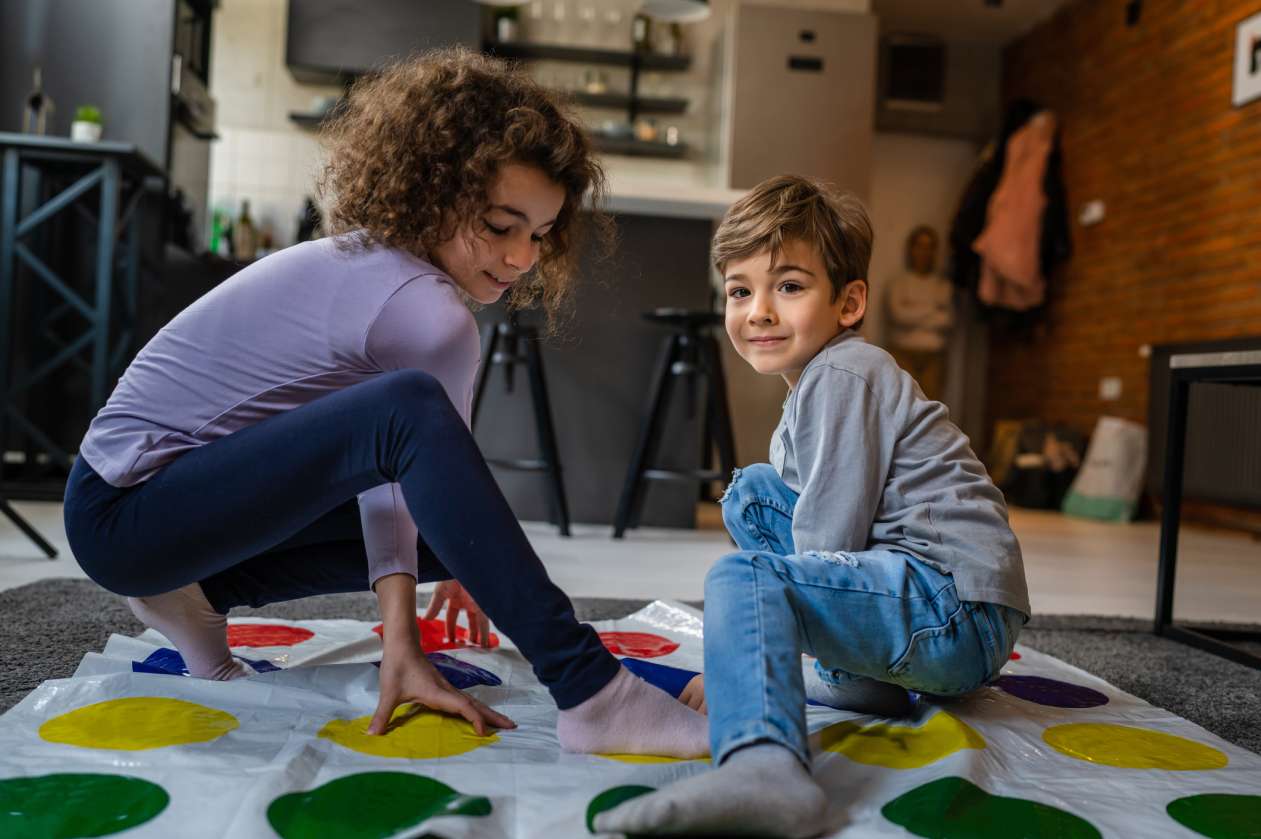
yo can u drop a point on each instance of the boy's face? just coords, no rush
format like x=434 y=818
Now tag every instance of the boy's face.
x=489 y=254
x=780 y=315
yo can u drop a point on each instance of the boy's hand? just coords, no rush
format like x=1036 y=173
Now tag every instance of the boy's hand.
x=407 y=676
x=458 y=600
x=693 y=695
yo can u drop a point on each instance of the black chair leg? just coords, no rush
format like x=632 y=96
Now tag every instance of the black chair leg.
x=489 y=344
x=25 y=526
x=720 y=413
x=547 y=435
x=632 y=488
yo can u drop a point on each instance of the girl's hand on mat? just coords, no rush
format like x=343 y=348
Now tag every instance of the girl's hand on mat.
x=408 y=676
x=693 y=695
x=458 y=600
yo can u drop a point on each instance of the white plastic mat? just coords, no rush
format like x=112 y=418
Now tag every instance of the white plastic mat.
x=1049 y=752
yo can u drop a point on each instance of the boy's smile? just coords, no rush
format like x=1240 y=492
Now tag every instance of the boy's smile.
x=782 y=310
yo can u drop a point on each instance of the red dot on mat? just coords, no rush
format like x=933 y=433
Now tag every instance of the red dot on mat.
x=266 y=635
x=638 y=644
x=1015 y=656
x=433 y=636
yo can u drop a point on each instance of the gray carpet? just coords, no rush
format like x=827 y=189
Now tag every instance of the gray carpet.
x=49 y=625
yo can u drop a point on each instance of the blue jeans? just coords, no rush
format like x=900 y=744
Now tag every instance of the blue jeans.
x=878 y=614
x=269 y=513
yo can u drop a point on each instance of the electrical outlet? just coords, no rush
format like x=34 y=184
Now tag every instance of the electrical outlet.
x=1110 y=388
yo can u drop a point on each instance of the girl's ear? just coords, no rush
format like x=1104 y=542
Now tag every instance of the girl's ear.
x=853 y=303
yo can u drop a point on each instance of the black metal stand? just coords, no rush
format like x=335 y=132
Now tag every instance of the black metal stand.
x=114 y=174
x=690 y=352
x=508 y=344
x=1239 y=368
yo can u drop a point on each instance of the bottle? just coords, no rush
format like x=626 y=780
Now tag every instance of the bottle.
x=244 y=235
x=39 y=107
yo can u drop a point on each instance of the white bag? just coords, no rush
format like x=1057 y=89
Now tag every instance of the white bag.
x=1109 y=482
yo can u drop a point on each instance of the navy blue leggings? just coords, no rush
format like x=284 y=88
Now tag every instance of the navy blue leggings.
x=269 y=513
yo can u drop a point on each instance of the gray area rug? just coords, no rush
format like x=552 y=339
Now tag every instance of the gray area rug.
x=49 y=625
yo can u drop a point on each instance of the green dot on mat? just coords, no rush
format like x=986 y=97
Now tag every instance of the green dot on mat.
x=954 y=808
x=63 y=805
x=369 y=805
x=612 y=797
x=1219 y=816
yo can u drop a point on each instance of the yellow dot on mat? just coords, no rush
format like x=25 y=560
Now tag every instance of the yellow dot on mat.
x=901 y=746
x=625 y=758
x=414 y=733
x=138 y=722
x=1128 y=747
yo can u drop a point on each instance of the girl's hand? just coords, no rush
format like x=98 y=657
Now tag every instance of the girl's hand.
x=693 y=695
x=407 y=676
x=458 y=600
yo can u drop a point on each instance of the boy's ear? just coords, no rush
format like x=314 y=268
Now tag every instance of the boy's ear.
x=853 y=302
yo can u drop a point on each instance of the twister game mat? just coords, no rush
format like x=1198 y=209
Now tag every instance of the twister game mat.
x=129 y=745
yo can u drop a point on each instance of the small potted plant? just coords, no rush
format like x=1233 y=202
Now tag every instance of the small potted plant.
x=86 y=127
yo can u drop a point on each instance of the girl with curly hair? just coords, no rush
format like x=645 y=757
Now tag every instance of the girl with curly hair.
x=303 y=428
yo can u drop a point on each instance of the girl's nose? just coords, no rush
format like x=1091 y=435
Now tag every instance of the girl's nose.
x=520 y=257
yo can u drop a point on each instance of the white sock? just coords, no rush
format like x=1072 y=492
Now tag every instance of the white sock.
x=200 y=633
x=630 y=716
x=759 y=790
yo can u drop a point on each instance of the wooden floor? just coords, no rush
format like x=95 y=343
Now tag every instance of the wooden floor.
x=1074 y=566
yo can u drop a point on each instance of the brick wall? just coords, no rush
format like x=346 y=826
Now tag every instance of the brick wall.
x=1148 y=127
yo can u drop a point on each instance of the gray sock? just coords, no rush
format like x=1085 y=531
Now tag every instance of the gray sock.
x=864 y=696
x=760 y=790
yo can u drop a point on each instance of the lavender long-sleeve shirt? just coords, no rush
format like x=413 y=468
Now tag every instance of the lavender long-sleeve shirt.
x=292 y=327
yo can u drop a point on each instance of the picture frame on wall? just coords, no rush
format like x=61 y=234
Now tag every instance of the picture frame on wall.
x=1247 y=61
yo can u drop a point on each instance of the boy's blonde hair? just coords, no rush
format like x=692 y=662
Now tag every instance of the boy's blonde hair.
x=788 y=207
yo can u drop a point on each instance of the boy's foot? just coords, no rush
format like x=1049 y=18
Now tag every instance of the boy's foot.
x=200 y=633
x=865 y=696
x=761 y=790
x=630 y=716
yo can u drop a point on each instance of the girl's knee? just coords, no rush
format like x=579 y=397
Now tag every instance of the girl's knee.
x=406 y=385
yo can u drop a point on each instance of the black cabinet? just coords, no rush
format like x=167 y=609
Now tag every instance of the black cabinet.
x=332 y=41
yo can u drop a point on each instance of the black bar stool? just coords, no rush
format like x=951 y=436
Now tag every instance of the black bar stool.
x=510 y=343
x=690 y=352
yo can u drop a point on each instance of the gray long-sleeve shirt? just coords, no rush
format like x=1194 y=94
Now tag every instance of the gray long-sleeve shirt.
x=879 y=465
x=288 y=329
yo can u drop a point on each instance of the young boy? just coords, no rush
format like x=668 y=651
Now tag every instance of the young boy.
x=874 y=540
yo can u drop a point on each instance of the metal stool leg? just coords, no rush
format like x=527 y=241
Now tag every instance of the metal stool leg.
x=719 y=407
x=632 y=488
x=546 y=433
x=24 y=526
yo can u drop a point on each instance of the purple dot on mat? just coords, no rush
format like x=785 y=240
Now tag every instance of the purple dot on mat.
x=1051 y=692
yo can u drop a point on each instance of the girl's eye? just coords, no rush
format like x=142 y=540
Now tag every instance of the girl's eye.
x=536 y=238
x=498 y=231
x=738 y=293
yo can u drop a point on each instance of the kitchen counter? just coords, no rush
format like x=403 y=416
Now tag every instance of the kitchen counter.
x=669 y=188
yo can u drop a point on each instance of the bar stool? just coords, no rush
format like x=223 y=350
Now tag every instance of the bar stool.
x=691 y=351
x=509 y=343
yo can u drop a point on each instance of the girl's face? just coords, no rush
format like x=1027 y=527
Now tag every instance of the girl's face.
x=489 y=254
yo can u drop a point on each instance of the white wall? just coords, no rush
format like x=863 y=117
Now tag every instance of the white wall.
x=260 y=156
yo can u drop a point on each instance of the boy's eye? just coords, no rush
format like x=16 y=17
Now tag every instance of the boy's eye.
x=790 y=287
x=738 y=293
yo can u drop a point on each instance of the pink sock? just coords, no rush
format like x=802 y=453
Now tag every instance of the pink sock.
x=200 y=633
x=630 y=716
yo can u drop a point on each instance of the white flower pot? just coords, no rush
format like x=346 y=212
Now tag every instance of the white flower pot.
x=85 y=132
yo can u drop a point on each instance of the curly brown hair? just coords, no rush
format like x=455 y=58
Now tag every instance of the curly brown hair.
x=415 y=148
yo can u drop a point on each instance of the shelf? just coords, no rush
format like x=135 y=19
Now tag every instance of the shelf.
x=582 y=55
x=637 y=148
x=622 y=101
x=311 y=122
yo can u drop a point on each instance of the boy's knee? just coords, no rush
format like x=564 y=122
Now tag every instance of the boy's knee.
x=746 y=481
x=732 y=568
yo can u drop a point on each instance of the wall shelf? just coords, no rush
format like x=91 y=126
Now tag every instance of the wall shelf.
x=622 y=101
x=583 y=55
x=638 y=148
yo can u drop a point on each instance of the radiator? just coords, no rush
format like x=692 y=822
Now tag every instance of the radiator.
x=1223 y=447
